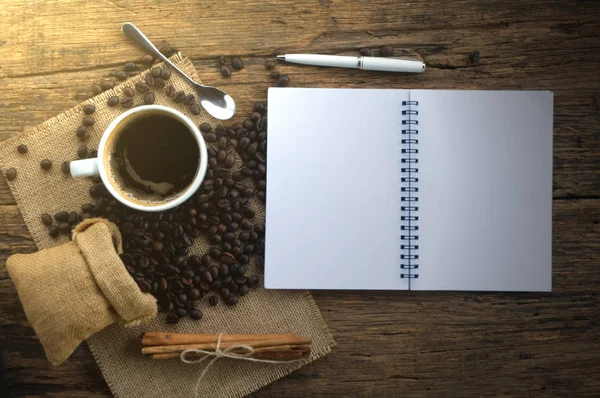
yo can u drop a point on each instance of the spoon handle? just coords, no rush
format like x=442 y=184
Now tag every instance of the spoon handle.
x=132 y=32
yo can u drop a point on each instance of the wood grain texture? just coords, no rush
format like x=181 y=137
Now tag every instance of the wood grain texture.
x=390 y=344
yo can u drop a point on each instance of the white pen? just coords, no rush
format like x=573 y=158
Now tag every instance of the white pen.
x=362 y=63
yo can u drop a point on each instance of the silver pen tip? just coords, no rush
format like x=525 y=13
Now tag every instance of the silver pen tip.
x=281 y=57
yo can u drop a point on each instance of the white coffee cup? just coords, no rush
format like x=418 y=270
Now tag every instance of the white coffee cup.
x=99 y=165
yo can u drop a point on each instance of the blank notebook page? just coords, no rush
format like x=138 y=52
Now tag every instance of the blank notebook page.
x=485 y=190
x=333 y=192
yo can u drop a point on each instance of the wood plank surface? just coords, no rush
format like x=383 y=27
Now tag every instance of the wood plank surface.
x=390 y=343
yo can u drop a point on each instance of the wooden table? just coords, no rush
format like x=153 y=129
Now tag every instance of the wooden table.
x=390 y=343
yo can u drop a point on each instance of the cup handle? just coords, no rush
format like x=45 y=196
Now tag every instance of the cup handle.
x=84 y=168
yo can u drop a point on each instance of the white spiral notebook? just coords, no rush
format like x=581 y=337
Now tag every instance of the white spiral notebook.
x=409 y=190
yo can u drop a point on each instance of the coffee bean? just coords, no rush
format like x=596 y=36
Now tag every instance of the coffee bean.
x=147 y=59
x=207 y=276
x=149 y=98
x=180 y=312
x=222 y=143
x=129 y=66
x=22 y=149
x=149 y=79
x=221 y=59
x=46 y=219
x=113 y=101
x=221 y=155
x=205 y=127
x=225 y=71
x=261 y=195
x=127 y=102
x=189 y=99
x=195 y=108
x=11 y=174
x=243 y=290
x=142 y=87
x=386 y=51
x=232 y=300
x=64 y=227
x=365 y=52
x=107 y=85
x=213 y=300
x=237 y=63
x=159 y=83
x=165 y=73
x=46 y=164
x=121 y=75
x=89 y=109
x=157 y=246
x=82 y=152
x=179 y=97
x=53 y=231
x=269 y=65
x=155 y=72
x=170 y=91
x=73 y=218
x=475 y=56
x=260 y=157
x=87 y=208
x=88 y=120
x=283 y=81
x=96 y=88
x=172 y=319
x=128 y=91
x=274 y=75
x=196 y=314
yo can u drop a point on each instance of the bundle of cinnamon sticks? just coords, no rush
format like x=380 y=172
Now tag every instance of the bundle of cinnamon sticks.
x=283 y=347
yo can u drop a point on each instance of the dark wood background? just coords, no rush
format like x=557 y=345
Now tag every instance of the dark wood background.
x=390 y=343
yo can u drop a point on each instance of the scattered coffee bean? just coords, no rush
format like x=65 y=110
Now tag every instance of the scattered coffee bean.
x=129 y=66
x=64 y=227
x=127 y=102
x=147 y=59
x=179 y=97
x=113 y=101
x=195 y=314
x=96 y=88
x=195 y=108
x=205 y=127
x=232 y=300
x=11 y=174
x=274 y=75
x=222 y=59
x=213 y=300
x=386 y=51
x=46 y=219
x=82 y=152
x=155 y=72
x=107 y=85
x=128 y=91
x=269 y=65
x=159 y=83
x=22 y=149
x=61 y=216
x=365 y=52
x=283 y=81
x=81 y=132
x=142 y=87
x=121 y=75
x=253 y=281
x=53 y=231
x=65 y=167
x=170 y=91
x=89 y=109
x=237 y=63
x=46 y=164
x=149 y=97
x=210 y=137
x=165 y=73
x=172 y=318
x=88 y=120
x=189 y=99
x=475 y=56
x=149 y=79
x=225 y=71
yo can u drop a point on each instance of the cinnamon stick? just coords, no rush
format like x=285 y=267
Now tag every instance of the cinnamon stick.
x=272 y=342
x=160 y=338
x=270 y=355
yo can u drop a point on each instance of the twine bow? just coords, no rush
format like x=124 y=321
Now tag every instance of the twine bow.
x=228 y=352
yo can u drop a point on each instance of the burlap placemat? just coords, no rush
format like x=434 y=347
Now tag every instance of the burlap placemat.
x=116 y=349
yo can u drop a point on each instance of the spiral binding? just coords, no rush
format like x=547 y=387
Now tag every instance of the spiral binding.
x=410 y=192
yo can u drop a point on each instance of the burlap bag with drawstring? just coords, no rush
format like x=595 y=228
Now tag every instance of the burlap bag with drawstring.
x=74 y=290
x=117 y=349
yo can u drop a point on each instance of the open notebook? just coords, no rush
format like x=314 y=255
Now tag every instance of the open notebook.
x=409 y=190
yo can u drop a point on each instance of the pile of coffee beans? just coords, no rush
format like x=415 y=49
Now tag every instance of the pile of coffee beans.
x=156 y=245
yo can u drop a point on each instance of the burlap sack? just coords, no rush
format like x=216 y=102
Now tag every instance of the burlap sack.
x=74 y=290
x=117 y=349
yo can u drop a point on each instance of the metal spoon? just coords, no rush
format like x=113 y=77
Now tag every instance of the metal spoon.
x=216 y=102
